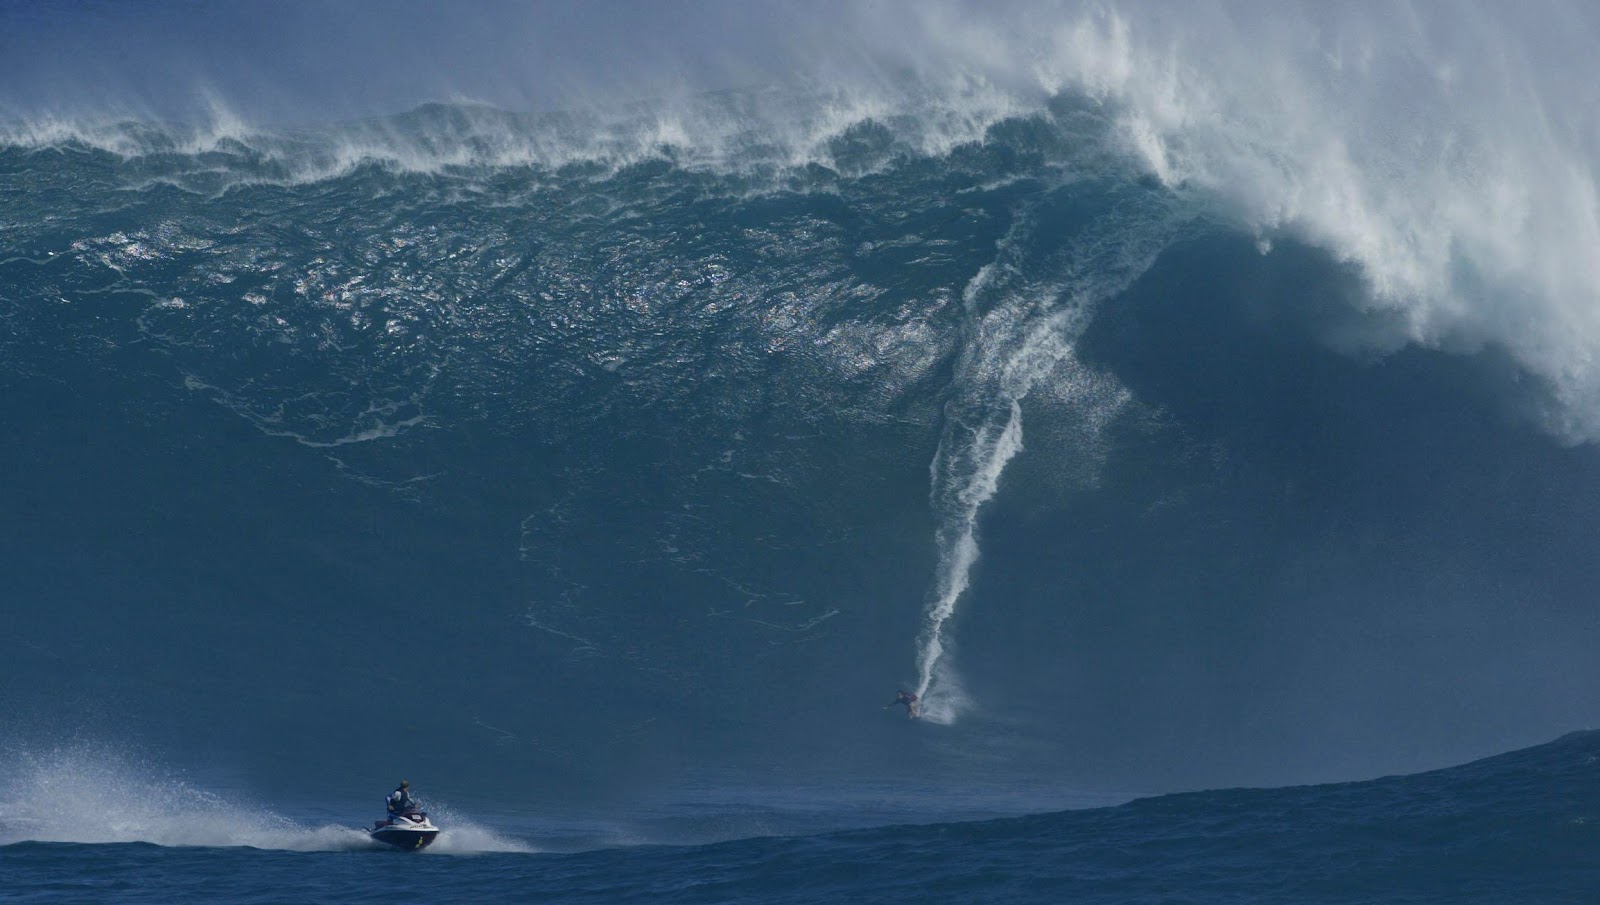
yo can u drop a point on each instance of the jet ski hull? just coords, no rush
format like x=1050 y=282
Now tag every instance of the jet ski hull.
x=409 y=832
x=410 y=840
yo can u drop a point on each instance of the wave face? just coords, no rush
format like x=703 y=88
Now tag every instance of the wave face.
x=1517 y=827
x=1117 y=391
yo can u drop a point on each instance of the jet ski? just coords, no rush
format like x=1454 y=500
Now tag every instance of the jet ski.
x=409 y=830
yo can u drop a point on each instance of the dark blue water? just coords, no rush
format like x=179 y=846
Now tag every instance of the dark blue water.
x=1515 y=828
x=607 y=484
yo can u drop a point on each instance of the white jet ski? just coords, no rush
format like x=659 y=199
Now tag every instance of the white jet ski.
x=409 y=830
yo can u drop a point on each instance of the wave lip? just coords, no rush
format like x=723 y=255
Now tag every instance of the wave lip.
x=770 y=131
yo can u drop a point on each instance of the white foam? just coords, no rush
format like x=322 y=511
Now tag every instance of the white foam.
x=1029 y=306
x=771 y=131
x=1450 y=151
x=462 y=836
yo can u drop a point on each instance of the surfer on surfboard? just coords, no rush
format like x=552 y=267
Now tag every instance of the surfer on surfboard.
x=913 y=708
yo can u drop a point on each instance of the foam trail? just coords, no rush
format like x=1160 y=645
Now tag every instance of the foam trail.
x=1030 y=307
x=993 y=444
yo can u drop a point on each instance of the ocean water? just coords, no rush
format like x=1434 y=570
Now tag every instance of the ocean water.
x=1519 y=827
x=1175 y=401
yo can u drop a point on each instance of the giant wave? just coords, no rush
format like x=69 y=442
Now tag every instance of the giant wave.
x=607 y=439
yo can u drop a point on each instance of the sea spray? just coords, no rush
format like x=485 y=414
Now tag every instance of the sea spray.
x=92 y=793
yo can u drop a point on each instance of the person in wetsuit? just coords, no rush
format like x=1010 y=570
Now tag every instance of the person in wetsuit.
x=913 y=708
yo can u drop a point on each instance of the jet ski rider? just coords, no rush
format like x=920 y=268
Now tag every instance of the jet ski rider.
x=400 y=800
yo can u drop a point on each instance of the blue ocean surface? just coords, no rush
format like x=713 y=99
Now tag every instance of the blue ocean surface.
x=1519 y=827
x=1170 y=398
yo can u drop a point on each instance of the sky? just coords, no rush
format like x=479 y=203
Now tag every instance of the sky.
x=290 y=59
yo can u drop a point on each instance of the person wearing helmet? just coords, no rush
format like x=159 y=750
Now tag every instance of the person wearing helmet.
x=913 y=708
x=400 y=800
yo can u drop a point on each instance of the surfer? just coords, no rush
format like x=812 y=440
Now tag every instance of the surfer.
x=913 y=709
x=400 y=800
